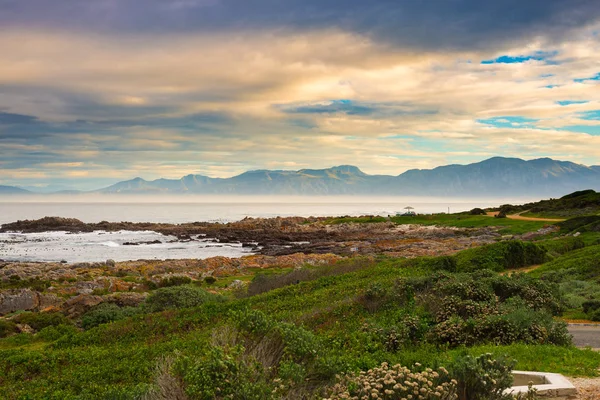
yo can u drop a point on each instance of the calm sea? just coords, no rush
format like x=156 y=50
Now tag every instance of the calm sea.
x=99 y=246
x=228 y=209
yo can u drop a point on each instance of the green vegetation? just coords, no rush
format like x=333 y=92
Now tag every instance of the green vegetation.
x=508 y=226
x=328 y=331
x=585 y=202
x=352 y=317
x=578 y=275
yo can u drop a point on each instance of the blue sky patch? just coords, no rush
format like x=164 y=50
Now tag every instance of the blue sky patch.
x=593 y=115
x=509 y=122
x=569 y=102
x=591 y=78
x=537 y=56
x=593 y=130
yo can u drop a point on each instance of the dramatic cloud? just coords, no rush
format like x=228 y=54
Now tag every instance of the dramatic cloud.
x=101 y=90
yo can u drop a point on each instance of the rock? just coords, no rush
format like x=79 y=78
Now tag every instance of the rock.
x=110 y=263
x=78 y=305
x=237 y=284
x=24 y=328
x=126 y=299
x=87 y=287
x=47 y=300
x=18 y=300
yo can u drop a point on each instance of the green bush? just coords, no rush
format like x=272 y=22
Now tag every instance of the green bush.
x=39 y=321
x=177 y=297
x=500 y=256
x=477 y=211
x=483 y=377
x=7 y=328
x=174 y=281
x=105 y=313
x=52 y=333
x=222 y=375
x=590 y=306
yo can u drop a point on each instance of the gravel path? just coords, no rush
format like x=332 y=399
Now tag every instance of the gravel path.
x=589 y=388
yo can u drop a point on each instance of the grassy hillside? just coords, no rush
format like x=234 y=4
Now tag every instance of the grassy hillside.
x=507 y=226
x=303 y=334
x=299 y=333
x=585 y=202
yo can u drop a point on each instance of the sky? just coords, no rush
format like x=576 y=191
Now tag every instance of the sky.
x=97 y=91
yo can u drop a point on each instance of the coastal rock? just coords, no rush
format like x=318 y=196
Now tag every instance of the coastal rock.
x=78 y=305
x=18 y=300
x=24 y=328
x=25 y=300
x=126 y=299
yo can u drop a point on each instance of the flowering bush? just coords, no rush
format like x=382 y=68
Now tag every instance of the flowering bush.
x=396 y=382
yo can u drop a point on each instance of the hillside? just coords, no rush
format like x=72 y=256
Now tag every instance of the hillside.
x=299 y=330
x=494 y=177
x=580 y=203
x=12 y=190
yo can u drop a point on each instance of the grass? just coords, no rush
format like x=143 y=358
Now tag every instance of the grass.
x=507 y=226
x=118 y=360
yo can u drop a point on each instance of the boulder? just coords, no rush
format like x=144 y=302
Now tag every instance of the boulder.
x=131 y=299
x=24 y=328
x=78 y=305
x=18 y=300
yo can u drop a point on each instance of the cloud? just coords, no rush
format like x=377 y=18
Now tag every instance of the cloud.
x=301 y=85
x=433 y=24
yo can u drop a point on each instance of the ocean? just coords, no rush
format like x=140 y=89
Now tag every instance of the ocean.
x=99 y=246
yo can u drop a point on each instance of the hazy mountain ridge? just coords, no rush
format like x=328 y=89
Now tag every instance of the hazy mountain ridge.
x=496 y=176
x=13 y=190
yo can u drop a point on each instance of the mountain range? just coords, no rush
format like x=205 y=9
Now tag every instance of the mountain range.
x=496 y=176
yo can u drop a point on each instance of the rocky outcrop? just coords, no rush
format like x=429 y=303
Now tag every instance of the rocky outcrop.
x=78 y=305
x=25 y=300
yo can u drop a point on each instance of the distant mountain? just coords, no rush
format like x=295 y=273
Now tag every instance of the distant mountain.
x=502 y=176
x=50 y=189
x=496 y=176
x=12 y=190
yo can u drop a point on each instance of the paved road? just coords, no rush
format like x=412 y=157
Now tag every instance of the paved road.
x=584 y=336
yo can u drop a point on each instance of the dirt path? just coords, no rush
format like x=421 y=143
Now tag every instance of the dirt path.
x=521 y=218
x=520 y=270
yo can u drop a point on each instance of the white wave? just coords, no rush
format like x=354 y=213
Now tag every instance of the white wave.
x=108 y=244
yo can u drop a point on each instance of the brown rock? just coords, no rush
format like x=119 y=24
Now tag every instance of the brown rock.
x=126 y=299
x=18 y=300
x=78 y=305
x=24 y=328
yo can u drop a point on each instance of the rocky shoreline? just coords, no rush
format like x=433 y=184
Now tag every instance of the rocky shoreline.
x=282 y=243
x=285 y=236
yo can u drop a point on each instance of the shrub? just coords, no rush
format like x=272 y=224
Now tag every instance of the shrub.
x=395 y=382
x=477 y=211
x=500 y=256
x=52 y=333
x=39 y=321
x=7 y=328
x=174 y=281
x=221 y=375
x=210 y=280
x=105 y=313
x=177 y=297
x=483 y=377
x=590 y=306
